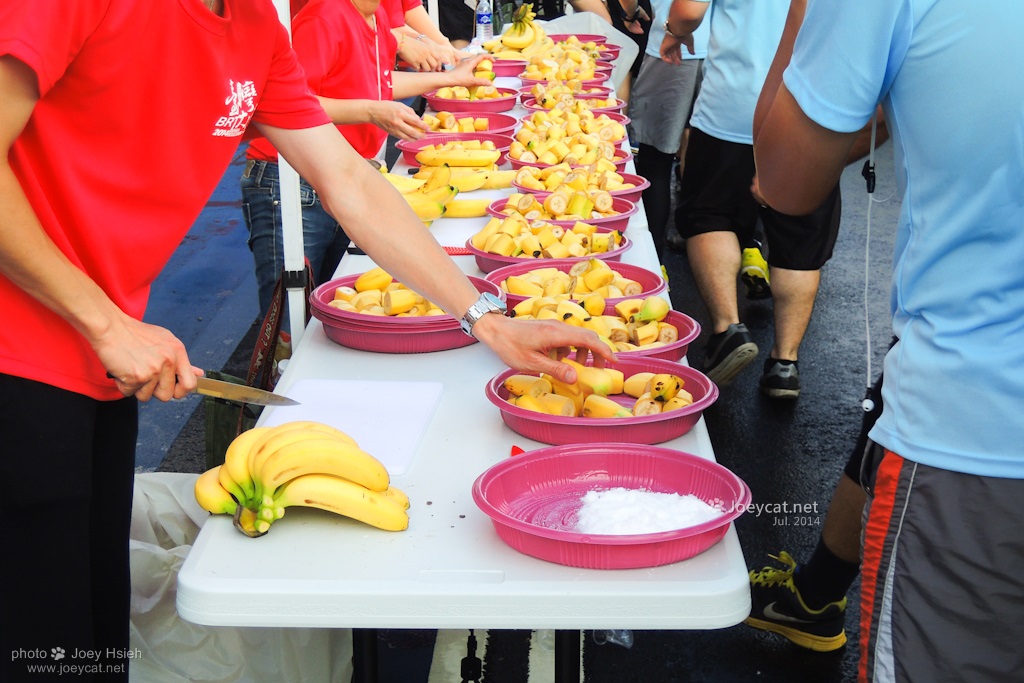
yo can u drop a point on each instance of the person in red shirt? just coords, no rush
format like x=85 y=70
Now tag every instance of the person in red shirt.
x=98 y=100
x=348 y=54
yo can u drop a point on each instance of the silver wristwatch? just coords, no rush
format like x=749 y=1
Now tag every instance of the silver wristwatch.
x=487 y=303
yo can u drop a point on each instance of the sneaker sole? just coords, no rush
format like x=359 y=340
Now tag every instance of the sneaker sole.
x=801 y=638
x=726 y=371
x=775 y=392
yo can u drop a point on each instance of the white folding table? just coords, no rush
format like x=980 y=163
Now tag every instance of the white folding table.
x=448 y=569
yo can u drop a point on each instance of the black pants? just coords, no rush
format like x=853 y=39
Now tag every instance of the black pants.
x=67 y=464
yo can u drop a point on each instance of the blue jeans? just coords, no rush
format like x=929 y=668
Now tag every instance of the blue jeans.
x=324 y=241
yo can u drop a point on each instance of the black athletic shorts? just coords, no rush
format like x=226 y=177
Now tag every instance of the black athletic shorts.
x=715 y=197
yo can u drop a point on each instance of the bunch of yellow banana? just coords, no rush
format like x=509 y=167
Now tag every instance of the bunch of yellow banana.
x=598 y=393
x=523 y=35
x=301 y=463
x=427 y=198
x=375 y=292
x=432 y=192
x=522 y=236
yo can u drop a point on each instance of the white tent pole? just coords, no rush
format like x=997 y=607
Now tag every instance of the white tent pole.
x=291 y=218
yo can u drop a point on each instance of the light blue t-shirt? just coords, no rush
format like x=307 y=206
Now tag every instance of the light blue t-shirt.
x=657 y=33
x=744 y=37
x=947 y=73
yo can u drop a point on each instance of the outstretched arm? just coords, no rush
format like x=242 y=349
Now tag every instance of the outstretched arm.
x=360 y=199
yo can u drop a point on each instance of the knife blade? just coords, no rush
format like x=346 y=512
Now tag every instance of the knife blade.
x=241 y=393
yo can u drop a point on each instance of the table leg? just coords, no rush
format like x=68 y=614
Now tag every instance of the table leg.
x=364 y=655
x=567 y=656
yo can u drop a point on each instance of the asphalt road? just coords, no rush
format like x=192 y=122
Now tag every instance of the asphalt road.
x=788 y=452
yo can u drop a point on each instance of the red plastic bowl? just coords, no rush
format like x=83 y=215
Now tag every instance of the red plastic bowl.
x=622 y=158
x=652 y=282
x=508 y=67
x=487 y=262
x=533 y=500
x=321 y=297
x=498 y=124
x=410 y=148
x=619 y=221
x=632 y=194
x=649 y=429
x=507 y=101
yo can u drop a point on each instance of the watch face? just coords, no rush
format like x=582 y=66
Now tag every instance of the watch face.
x=495 y=301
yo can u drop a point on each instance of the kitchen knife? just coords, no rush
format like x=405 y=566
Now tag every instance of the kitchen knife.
x=241 y=393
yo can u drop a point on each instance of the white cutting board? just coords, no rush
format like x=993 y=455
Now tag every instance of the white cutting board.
x=387 y=419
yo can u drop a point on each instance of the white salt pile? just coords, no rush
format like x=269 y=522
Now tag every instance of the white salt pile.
x=621 y=511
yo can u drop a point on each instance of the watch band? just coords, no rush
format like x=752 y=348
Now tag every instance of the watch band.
x=487 y=303
x=677 y=36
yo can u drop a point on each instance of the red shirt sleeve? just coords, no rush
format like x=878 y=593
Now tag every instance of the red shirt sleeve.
x=287 y=101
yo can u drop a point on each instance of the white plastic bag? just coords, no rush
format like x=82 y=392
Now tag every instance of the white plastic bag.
x=167 y=649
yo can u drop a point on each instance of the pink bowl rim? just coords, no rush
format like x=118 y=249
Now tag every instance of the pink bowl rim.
x=524 y=92
x=583 y=37
x=626 y=269
x=642 y=185
x=610 y=255
x=387 y=323
x=501 y=140
x=628 y=210
x=737 y=507
x=600 y=77
x=511 y=95
x=530 y=104
x=508 y=128
x=645 y=363
x=622 y=158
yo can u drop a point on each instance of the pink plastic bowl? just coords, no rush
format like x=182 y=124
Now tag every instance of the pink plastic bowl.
x=649 y=429
x=410 y=148
x=589 y=91
x=633 y=194
x=487 y=262
x=603 y=66
x=531 y=105
x=599 y=79
x=619 y=221
x=321 y=297
x=498 y=124
x=507 y=101
x=508 y=67
x=582 y=37
x=622 y=158
x=380 y=341
x=652 y=282
x=609 y=53
x=533 y=500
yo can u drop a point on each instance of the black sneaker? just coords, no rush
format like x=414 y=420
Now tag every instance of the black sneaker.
x=776 y=606
x=781 y=378
x=727 y=353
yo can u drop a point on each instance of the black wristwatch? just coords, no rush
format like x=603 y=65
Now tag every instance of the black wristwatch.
x=487 y=303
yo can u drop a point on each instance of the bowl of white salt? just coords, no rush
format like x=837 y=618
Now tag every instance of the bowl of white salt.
x=610 y=505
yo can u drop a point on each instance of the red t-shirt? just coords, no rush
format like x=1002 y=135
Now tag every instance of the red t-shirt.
x=142 y=107
x=397 y=8
x=344 y=58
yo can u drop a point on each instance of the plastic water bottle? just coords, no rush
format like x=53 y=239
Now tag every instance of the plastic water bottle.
x=484 y=22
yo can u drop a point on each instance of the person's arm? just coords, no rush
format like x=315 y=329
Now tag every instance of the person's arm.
x=396 y=118
x=418 y=19
x=632 y=14
x=146 y=360
x=415 y=53
x=382 y=224
x=798 y=161
x=684 y=16
x=407 y=84
x=595 y=6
